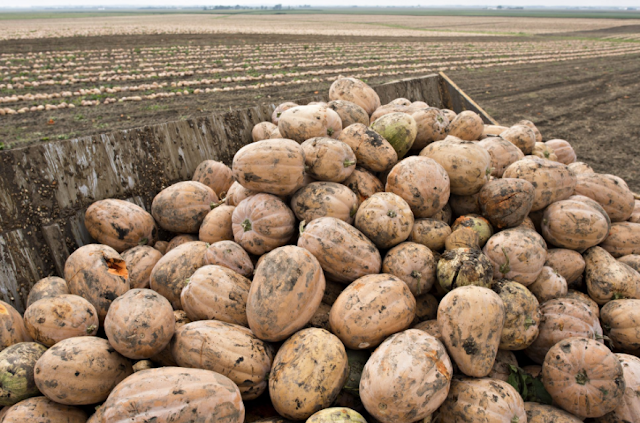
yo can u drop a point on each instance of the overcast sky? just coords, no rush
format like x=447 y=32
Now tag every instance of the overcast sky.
x=361 y=3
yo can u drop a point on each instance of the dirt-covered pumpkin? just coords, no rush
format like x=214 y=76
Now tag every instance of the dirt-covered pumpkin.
x=621 y=323
x=521 y=136
x=165 y=357
x=407 y=378
x=372 y=151
x=324 y=199
x=237 y=193
x=308 y=373
x=17 y=364
x=563 y=151
x=414 y=263
x=568 y=263
x=48 y=287
x=385 y=218
x=506 y=202
x=629 y=407
x=281 y=108
x=262 y=131
x=399 y=129
x=355 y=91
x=542 y=413
x=370 y=309
x=544 y=151
x=328 y=160
x=12 y=328
x=181 y=207
x=549 y=285
x=610 y=191
x=432 y=126
x=431 y=233
x=463 y=238
x=42 y=409
x=216 y=225
x=502 y=153
x=140 y=261
x=303 y=122
x=608 y=279
x=230 y=255
x=462 y=267
x=466 y=125
x=336 y=415
x=574 y=225
x=363 y=183
x=262 y=223
x=178 y=240
x=521 y=315
x=623 y=239
x=350 y=113
x=536 y=131
x=477 y=223
x=216 y=175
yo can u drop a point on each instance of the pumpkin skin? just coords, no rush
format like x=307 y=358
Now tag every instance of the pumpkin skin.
x=430 y=327
x=462 y=267
x=170 y=273
x=503 y=154
x=281 y=108
x=327 y=159
x=140 y=323
x=621 y=321
x=370 y=309
x=466 y=163
x=627 y=410
x=506 y=202
x=301 y=123
x=413 y=263
x=463 y=238
x=336 y=415
x=344 y=253
x=140 y=261
x=608 y=278
x=563 y=151
x=237 y=193
x=536 y=131
x=426 y=308
x=482 y=401
x=98 y=274
x=217 y=225
x=322 y=199
x=179 y=240
x=181 y=207
x=422 y=183
x=517 y=254
x=285 y=293
x=262 y=131
x=623 y=239
x=216 y=175
x=522 y=315
x=188 y=395
x=363 y=183
x=583 y=377
x=549 y=285
x=42 y=409
x=254 y=166
x=632 y=260
x=372 y=151
x=467 y=126
x=521 y=136
x=120 y=224
x=501 y=369
x=350 y=113
x=544 y=151
x=469 y=317
x=216 y=293
x=399 y=129
x=17 y=372
x=262 y=223
x=80 y=371
x=574 y=225
x=585 y=299
x=12 y=328
x=165 y=357
x=542 y=413
x=407 y=378
x=355 y=91
x=227 y=349
x=431 y=233
x=563 y=318
x=432 y=126
x=445 y=215
x=385 y=218
x=51 y=320
x=610 y=191
x=568 y=263
x=48 y=287
x=230 y=255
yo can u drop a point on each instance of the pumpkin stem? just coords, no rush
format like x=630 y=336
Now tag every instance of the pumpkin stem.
x=246 y=225
x=505 y=268
x=348 y=163
x=618 y=296
x=546 y=154
x=528 y=322
x=353 y=211
x=582 y=378
x=219 y=203
x=143 y=241
x=302 y=225
x=391 y=213
x=515 y=419
x=489 y=170
x=91 y=328
x=186 y=282
x=330 y=132
x=417 y=275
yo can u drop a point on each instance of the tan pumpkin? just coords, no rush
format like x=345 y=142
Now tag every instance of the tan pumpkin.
x=385 y=218
x=216 y=293
x=140 y=261
x=228 y=349
x=254 y=166
x=179 y=240
x=432 y=126
x=544 y=151
x=580 y=167
x=610 y=191
x=542 y=413
x=549 y=285
x=469 y=317
x=506 y=202
x=413 y=263
x=430 y=327
x=583 y=377
x=328 y=160
x=48 y=287
x=355 y=91
x=286 y=291
x=262 y=223
x=308 y=373
x=502 y=153
x=501 y=369
x=635 y=215
x=344 y=253
x=450 y=114
x=531 y=125
x=176 y=395
x=324 y=199
x=623 y=239
x=182 y=206
x=431 y=233
x=563 y=318
x=262 y=131
x=276 y=135
x=621 y=323
x=363 y=183
x=350 y=113
x=50 y=320
x=237 y=193
x=422 y=183
x=230 y=255
x=216 y=225
x=371 y=150
x=552 y=181
x=281 y=108
x=216 y=175
x=301 y=123
x=483 y=400
x=370 y=309
x=81 y=370
x=98 y=274
x=492 y=131
x=467 y=125
x=401 y=101
x=407 y=378
x=517 y=254
x=387 y=109
x=629 y=407
x=12 y=330
x=169 y=275
x=522 y=137
x=42 y=409
x=522 y=315
x=631 y=260
x=567 y=263
x=467 y=164
x=563 y=151
x=608 y=279
x=584 y=298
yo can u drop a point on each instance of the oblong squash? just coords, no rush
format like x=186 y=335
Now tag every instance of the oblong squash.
x=280 y=109
x=350 y=113
x=521 y=136
x=216 y=175
x=574 y=225
x=549 y=285
x=179 y=240
x=542 y=413
x=563 y=151
x=568 y=263
x=336 y=415
x=181 y=208
x=467 y=125
x=522 y=315
x=237 y=193
x=629 y=407
x=230 y=255
x=399 y=129
x=610 y=191
x=431 y=233
x=48 y=287
x=372 y=151
x=324 y=199
x=140 y=261
x=608 y=278
x=262 y=131
x=432 y=126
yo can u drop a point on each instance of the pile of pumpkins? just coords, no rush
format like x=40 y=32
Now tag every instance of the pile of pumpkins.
x=357 y=262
